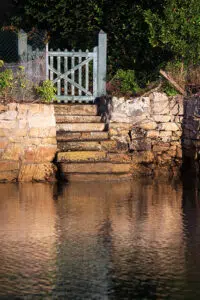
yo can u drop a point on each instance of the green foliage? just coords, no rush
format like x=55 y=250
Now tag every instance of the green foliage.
x=17 y=87
x=75 y=24
x=6 y=81
x=46 y=91
x=176 y=28
x=125 y=82
x=169 y=90
x=142 y=35
x=22 y=87
x=1 y=63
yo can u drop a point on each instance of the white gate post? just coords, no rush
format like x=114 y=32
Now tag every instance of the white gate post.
x=47 y=61
x=22 y=45
x=102 y=63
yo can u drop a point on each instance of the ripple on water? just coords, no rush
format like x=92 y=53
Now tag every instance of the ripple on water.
x=128 y=240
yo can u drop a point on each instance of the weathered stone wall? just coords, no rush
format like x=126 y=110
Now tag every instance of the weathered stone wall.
x=27 y=142
x=191 y=134
x=150 y=128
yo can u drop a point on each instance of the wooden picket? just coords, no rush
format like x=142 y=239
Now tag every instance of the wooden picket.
x=76 y=74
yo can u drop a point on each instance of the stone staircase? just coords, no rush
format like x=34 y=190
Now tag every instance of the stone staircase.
x=85 y=150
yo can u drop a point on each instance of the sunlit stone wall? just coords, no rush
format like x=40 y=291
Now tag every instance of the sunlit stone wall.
x=150 y=128
x=27 y=142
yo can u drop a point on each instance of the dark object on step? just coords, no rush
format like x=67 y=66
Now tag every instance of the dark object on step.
x=105 y=107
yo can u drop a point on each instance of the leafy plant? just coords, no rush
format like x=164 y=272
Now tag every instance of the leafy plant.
x=46 y=91
x=22 y=87
x=176 y=27
x=169 y=90
x=6 y=81
x=125 y=82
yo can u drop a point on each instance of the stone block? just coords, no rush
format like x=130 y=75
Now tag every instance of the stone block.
x=152 y=134
x=161 y=118
x=160 y=104
x=113 y=131
x=9 y=176
x=77 y=119
x=3 y=108
x=41 y=154
x=151 y=125
x=17 y=132
x=170 y=126
x=171 y=152
x=109 y=145
x=81 y=156
x=35 y=109
x=40 y=121
x=76 y=109
x=37 y=172
x=138 y=133
x=161 y=147
x=82 y=136
x=140 y=145
x=49 y=141
x=106 y=167
x=178 y=133
x=119 y=157
x=8 y=166
x=13 y=152
x=181 y=109
x=4 y=132
x=165 y=134
x=29 y=142
x=73 y=127
x=22 y=111
x=134 y=109
x=5 y=124
x=42 y=132
x=178 y=119
x=12 y=106
x=22 y=124
x=143 y=157
x=122 y=144
x=79 y=146
x=3 y=143
x=9 y=115
x=120 y=126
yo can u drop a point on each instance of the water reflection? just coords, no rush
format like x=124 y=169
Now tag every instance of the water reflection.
x=128 y=240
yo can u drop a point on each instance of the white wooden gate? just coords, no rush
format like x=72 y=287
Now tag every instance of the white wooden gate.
x=78 y=76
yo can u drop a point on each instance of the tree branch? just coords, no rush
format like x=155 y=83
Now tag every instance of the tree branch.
x=173 y=82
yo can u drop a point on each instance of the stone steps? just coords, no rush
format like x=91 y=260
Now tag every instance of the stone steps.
x=63 y=136
x=77 y=119
x=76 y=109
x=95 y=168
x=85 y=150
x=88 y=146
x=80 y=127
x=93 y=156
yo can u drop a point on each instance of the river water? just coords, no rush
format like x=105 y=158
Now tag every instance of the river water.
x=123 y=240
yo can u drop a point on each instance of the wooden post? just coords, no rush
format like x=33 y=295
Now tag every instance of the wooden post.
x=22 y=46
x=47 y=63
x=102 y=63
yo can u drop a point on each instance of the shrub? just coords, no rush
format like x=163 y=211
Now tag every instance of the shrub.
x=6 y=81
x=169 y=90
x=124 y=82
x=46 y=91
x=22 y=87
